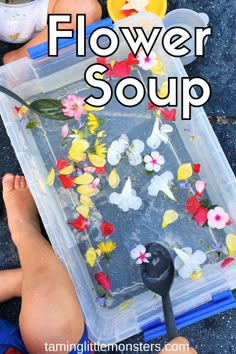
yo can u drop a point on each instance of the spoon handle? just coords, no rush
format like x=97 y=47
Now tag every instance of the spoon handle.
x=169 y=317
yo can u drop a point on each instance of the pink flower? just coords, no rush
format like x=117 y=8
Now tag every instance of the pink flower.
x=139 y=253
x=200 y=186
x=154 y=161
x=73 y=106
x=217 y=218
x=147 y=63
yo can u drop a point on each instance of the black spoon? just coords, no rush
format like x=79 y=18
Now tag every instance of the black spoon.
x=158 y=276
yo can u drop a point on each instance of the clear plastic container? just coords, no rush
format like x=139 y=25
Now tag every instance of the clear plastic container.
x=39 y=149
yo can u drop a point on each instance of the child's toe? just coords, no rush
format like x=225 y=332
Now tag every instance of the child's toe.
x=8 y=182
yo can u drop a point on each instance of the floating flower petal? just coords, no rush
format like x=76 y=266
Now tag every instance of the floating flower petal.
x=80 y=224
x=83 y=210
x=64 y=131
x=114 y=178
x=217 y=218
x=67 y=182
x=91 y=256
x=169 y=217
x=87 y=190
x=200 y=186
x=127 y=199
x=86 y=201
x=201 y=216
x=161 y=184
x=85 y=178
x=96 y=160
x=103 y=280
x=140 y=255
x=107 y=248
x=158 y=68
x=51 y=177
x=185 y=171
x=107 y=229
x=125 y=304
x=188 y=264
x=77 y=150
x=226 y=261
x=134 y=152
x=117 y=149
x=159 y=134
x=67 y=170
x=196 y=167
x=231 y=244
x=163 y=90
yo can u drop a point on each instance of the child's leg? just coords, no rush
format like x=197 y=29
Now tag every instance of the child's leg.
x=50 y=310
x=10 y=284
x=91 y=8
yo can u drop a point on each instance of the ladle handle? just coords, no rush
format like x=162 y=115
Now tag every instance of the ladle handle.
x=172 y=331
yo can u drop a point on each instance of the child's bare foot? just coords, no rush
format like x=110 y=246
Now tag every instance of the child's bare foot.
x=21 y=209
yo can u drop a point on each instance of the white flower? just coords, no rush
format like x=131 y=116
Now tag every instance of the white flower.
x=134 y=152
x=161 y=183
x=127 y=199
x=121 y=148
x=159 y=134
x=188 y=263
x=139 y=253
x=147 y=62
x=154 y=161
x=137 y=5
x=117 y=148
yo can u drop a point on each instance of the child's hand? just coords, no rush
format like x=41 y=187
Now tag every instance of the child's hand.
x=179 y=345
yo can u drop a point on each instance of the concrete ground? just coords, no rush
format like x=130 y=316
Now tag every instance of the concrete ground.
x=216 y=335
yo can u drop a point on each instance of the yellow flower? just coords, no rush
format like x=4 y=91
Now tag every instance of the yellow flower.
x=77 y=150
x=86 y=201
x=67 y=170
x=100 y=149
x=101 y=134
x=107 y=248
x=83 y=210
x=93 y=123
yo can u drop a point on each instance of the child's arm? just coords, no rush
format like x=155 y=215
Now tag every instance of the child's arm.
x=91 y=8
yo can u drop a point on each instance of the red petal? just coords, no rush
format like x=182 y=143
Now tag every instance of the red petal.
x=109 y=72
x=17 y=109
x=198 y=194
x=62 y=163
x=229 y=222
x=192 y=205
x=226 y=262
x=201 y=216
x=151 y=106
x=121 y=69
x=169 y=115
x=100 y=170
x=196 y=167
x=67 y=182
x=132 y=59
x=80 y=223
x=102 y=60
x=107 y=229
x=103 y=280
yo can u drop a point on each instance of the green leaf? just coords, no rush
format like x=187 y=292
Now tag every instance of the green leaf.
x=204 y=203
x=31 y=125
x=48 y=108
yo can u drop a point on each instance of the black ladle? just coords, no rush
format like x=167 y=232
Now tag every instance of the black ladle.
x=158 y=276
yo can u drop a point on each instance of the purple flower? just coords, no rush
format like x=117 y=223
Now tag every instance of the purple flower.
x=217 y=247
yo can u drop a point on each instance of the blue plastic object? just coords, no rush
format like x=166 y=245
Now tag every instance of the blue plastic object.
x=41 y=50
x=220 y=302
